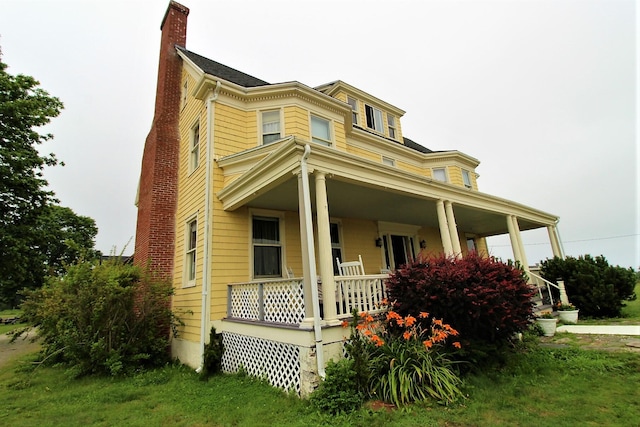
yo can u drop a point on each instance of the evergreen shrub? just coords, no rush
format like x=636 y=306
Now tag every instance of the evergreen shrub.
x=593 y=286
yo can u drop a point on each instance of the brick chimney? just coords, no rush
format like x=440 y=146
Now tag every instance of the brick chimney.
x=158 y=191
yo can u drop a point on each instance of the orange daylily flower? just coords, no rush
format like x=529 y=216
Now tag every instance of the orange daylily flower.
x=409 y=320
x=428 y=344
x=406 y=335
x=345 y=324
x=424 y=314
x=457 y=344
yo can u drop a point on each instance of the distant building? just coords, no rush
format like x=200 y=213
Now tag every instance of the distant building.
x=251 y=191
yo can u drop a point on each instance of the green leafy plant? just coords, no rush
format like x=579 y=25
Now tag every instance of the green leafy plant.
x=338 y=392
x=406 y=361
x=213 y=352
x=559 y=306
x=109 y=318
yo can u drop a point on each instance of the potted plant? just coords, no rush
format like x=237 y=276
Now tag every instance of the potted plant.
x=567 y=313
x=547 y=323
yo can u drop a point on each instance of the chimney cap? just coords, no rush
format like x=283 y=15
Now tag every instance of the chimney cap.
x=178 y=7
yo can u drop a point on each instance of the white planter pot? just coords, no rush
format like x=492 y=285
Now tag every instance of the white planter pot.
x=548 y=326
x=569 y=316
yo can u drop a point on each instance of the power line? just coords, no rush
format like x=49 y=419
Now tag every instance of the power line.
x=574 y=241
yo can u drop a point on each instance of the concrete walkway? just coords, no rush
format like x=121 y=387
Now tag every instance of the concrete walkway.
x=601 y=329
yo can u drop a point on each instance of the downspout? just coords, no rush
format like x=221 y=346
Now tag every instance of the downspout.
x=306 y=196
x=206 y=268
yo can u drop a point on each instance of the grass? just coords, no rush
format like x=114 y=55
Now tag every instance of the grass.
x=7 y=314
x=545 y=387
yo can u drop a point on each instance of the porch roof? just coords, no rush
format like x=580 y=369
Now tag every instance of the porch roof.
x=266 y=177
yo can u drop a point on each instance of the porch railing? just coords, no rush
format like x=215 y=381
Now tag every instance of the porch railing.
x=542 y=283
x=362 y=293
x=271 y=300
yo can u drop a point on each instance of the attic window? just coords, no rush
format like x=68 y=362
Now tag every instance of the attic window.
x=320 y=130
x=439 y=174
x=391 y=121
x=354 y=109
x=374 y=118
x=270 y=126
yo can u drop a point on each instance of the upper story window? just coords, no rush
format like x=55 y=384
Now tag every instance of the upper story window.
x=320 y=130
x=374 y=118
x=439 y=174
x=388 y=161
x=190 y=252
x=354 y=109
x=270 y=126
x=194 y=150
x=267 y=247
x=466 y=178
x=391 y=121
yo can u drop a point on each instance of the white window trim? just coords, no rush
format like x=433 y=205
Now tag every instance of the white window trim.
x=446 y=174
x=375 y=128
x=281 y=224
x=194 y=161
x=355 y=110
x=392 y=127
x=328 y=143
x=185 y=89
x=388 y=161
x=467 y=173
x=186 y=281
x=260 y=130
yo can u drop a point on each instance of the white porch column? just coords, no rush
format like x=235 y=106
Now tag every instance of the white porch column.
x=555 y=242
x=453 y=229
x=324 y=249
x=445 y=234
x=515 y=245
x=523 y=254
x=304 y=247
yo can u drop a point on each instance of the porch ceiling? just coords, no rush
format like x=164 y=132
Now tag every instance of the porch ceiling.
x=358 y=188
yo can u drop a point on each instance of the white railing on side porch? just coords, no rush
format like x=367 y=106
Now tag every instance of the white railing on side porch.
x=270 y=300
x=362 y=293
x=542 y=283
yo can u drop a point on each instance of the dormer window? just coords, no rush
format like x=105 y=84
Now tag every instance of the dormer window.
x=391 y=121
x=374 y=118
x=354 y=109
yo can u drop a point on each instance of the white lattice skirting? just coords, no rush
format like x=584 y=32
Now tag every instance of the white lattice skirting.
x=279 y=363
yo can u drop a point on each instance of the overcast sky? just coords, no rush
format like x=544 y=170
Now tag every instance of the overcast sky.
x=543 y=93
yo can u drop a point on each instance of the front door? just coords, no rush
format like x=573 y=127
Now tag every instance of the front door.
x=398 y=250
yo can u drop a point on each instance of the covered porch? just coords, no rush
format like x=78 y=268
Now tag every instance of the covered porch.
x=321 y=183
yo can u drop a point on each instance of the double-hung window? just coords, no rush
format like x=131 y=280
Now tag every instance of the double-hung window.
x=466 y=178
x=439 y=174
x=194 y=151
x=354 y=109
x=190 y=252
x=320 y=130
x=267 y=247
x=270 y=126
x=374 y=118
x=391 y=121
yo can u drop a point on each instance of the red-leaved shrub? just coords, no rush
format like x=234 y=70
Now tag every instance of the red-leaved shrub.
x=484 y=299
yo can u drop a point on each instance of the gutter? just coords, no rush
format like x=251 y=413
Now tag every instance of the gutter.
x=306 y=196
x=206 y=268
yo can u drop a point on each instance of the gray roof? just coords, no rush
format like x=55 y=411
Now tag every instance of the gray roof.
x=412 y=144
x=220 y=70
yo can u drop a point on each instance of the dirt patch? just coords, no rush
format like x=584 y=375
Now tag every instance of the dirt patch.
x=12 y=350
x=595 y=341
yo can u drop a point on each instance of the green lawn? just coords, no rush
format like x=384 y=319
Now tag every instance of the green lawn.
x=542 y=387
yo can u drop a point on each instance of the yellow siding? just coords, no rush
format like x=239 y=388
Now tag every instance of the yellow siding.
x=296 y=122
x=231 y=129
x=363 y=153
x=455 y=175
x=359 y=239
x=411 y=168
x=434 y=243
